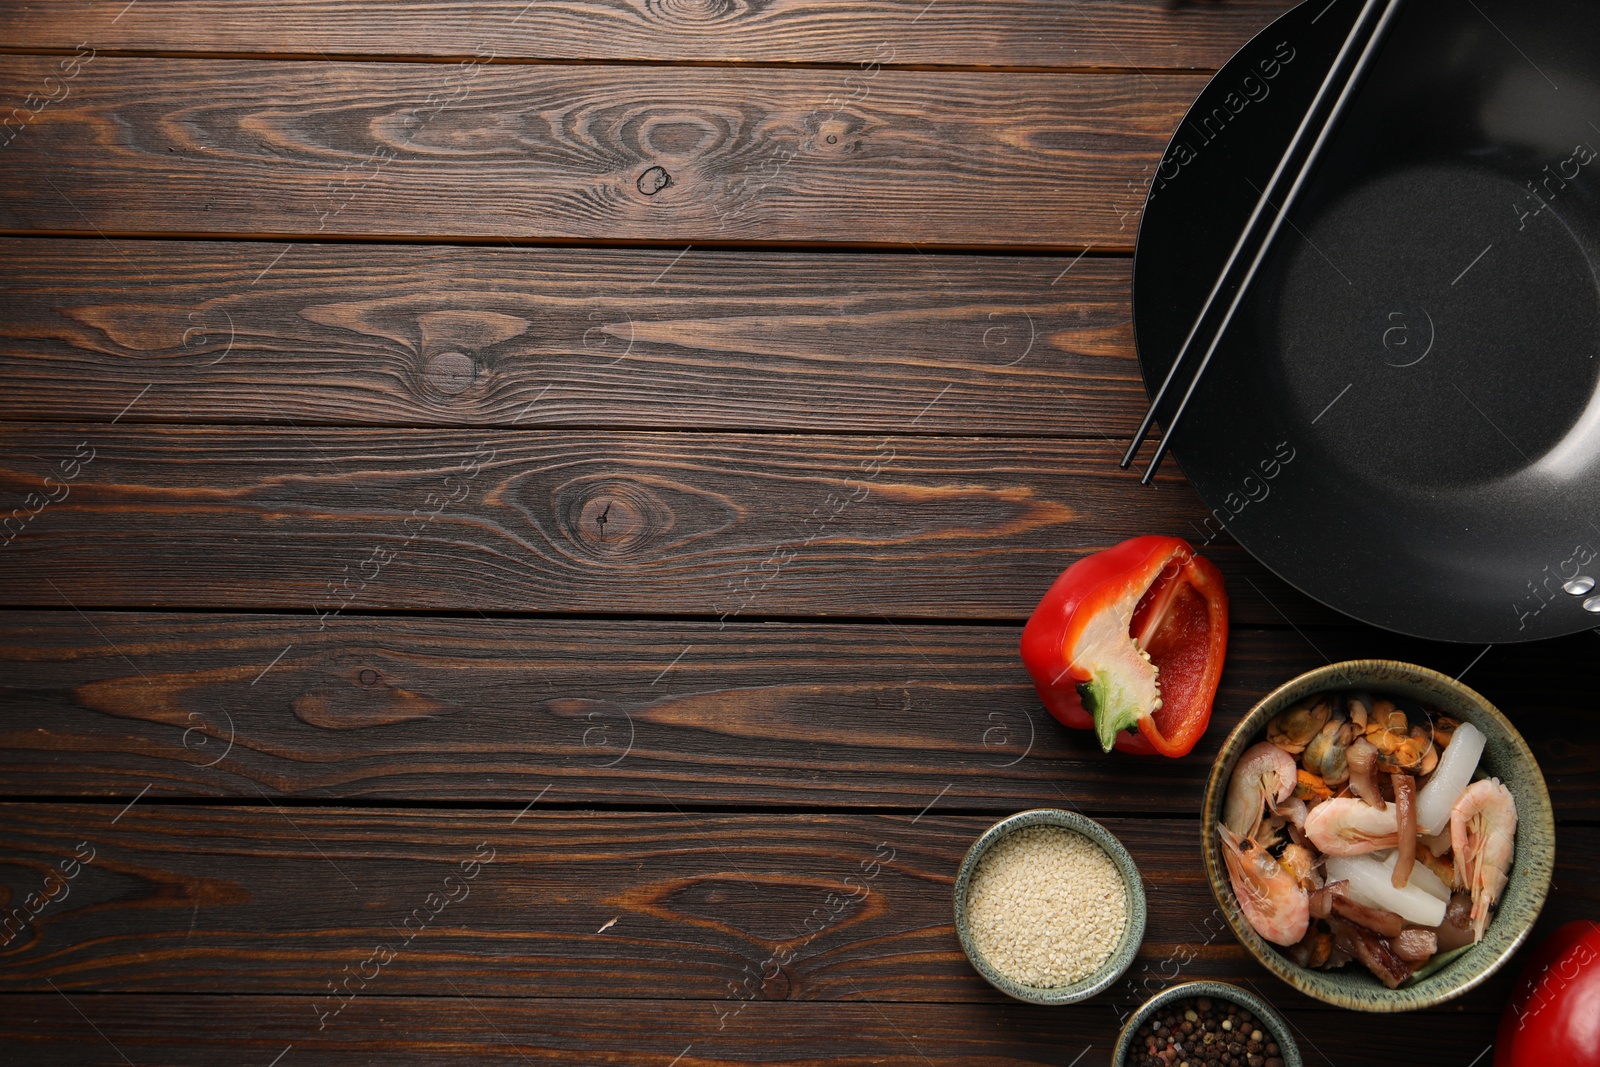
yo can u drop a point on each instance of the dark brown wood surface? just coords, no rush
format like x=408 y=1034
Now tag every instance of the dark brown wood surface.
x=280 y=899
x=588 y=153
x=1149 y=34
x=324 y=520
x=87 y=1030
x=199 y=705
x=624 y=439
x=616 y=338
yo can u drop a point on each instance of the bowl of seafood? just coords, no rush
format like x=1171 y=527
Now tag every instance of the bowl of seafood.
x=1378 y=835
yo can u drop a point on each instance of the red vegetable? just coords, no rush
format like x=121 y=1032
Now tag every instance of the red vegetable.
x=1554 y=1015
x=1129 y=642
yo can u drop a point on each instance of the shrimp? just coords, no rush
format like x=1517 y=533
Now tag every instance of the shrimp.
x=1348 y=826
x=1264 y=776
x=1483 y=824
x=1269 y=895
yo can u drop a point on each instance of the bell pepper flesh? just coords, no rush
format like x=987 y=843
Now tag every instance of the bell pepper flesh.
x=1553 y=1016
x=1129 y=642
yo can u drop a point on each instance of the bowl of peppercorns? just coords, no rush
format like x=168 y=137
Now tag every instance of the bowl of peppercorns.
x=1197 y=1024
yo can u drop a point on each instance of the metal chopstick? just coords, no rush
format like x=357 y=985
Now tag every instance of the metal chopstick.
x=1339 y=75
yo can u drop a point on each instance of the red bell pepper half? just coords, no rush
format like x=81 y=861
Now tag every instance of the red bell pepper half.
x=1554 y=1014
x=1129 y=642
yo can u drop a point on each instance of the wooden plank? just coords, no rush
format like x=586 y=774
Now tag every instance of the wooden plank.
x=996 y=33
x=204 y=1030
x=661 y=154
x=777 y=714
x=180 y=898
x=725 y=525
x=46 y=1029
x=625 y=339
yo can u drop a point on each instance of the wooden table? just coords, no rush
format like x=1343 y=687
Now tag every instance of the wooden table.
x=518 y=503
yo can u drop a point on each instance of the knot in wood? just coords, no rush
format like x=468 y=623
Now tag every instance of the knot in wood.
x=369 y=677
x=653 y=181
x=611 y=516
x=839 y=133
x=451 y=373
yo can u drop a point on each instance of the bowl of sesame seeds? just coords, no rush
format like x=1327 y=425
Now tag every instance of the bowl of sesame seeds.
x=1049 y=907
x=1200 y=1024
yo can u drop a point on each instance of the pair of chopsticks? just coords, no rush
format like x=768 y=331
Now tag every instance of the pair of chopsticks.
x=1273 y=207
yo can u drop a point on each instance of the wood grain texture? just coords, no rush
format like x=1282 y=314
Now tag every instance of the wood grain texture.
x=619 y=339
x=707 y=907
x=729 y=525
x=663 y=154
x=578 y=837
x=202 y=1030
x=1106 y=33
x=776 y=714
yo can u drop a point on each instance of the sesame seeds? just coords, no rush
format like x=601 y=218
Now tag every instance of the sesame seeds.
x=1046 y=906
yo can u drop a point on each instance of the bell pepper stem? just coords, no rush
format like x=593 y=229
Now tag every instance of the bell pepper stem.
x=1113 y=705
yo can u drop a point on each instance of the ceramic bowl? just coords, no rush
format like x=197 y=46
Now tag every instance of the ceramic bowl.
x=1505 y=756
x=1132 y=935
x=1272 y=1023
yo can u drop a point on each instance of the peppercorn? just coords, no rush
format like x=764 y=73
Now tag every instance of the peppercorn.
x=1204 y=1032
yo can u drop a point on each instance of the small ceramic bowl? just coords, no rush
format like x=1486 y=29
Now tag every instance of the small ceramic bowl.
x=1273 y=1024
x=1132 y=934
x=1505 y=756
